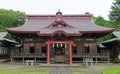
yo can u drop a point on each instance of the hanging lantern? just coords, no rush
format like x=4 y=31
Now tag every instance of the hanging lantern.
x=32 y=45
x=43 y=44
x=61 y=45
x=57 y=44
x=86 y=45
x=74 y=45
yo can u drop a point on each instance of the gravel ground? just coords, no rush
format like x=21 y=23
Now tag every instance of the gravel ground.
x=56 y=68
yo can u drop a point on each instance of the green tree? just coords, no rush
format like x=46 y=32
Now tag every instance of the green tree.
x=99 y=20
x=115 y=14
x=10 y=18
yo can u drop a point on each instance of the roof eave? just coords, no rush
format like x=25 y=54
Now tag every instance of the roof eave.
x=16 y=31
x=52 y=34
x=98 y=31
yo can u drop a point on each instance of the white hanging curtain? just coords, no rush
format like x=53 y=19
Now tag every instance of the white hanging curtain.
x=65 y=45
x=53 y=45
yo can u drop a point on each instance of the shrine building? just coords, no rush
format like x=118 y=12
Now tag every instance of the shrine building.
x=59 y=39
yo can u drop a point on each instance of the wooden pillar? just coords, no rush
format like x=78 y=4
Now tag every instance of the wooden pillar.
x=48 y=53
x=83 y=60
x=70 y=47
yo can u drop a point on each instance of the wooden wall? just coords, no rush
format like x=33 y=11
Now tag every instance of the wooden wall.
x=38 y=48
x=81 y=49
x=35 y=41
x=93 y=48
x=26 y=47
x=79 y=43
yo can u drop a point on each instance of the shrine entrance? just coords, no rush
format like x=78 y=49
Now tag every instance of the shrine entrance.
x=59 y=52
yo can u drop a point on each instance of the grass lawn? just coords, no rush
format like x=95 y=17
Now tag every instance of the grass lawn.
x=113 y=70
x=86 y=72
x=9 y=71
x=80 y=73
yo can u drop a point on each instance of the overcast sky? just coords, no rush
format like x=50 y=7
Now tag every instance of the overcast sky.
x=96 y=7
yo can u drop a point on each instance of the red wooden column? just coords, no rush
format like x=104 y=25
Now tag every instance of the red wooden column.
x=70 y=47
x=48 y=52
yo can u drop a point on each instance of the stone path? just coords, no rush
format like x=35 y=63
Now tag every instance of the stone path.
x=60 y=70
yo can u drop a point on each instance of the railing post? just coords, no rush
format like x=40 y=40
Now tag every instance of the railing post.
x=96 y=60
x=83 y=60
x=35 y=60
x=23 y=60
x=11 y=59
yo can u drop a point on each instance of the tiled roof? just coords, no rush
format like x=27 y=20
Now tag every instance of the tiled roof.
x=115 y=39
x=3 y=34
x=116 y=34
x=3 y=37
x=79 y=24
x=86 y=25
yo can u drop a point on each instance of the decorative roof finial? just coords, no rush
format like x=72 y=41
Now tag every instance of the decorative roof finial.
x=59 y=13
